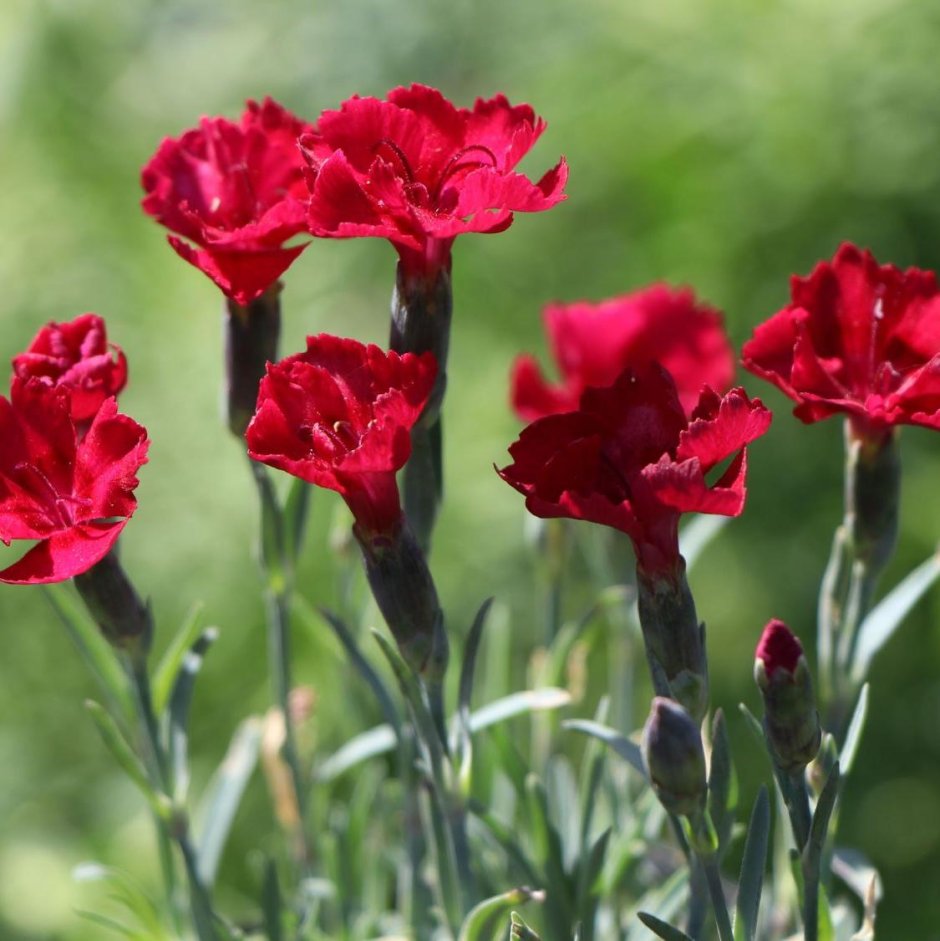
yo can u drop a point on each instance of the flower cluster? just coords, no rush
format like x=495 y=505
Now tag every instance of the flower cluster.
x=68 y=459
x=411 y=168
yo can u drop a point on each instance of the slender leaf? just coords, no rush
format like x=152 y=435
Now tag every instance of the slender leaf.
x=854 y=734
x=857 y=873
x=271 y=903
x=668 y=898
x=753 y=724
x=519 y=930
x=180 y=702
x=547 y=848
x=722 y=783
x=164 y=677
x=626 y=749
x=752 y=869
x=462 y=742
x=223 y=795
x=381 y=739
x=366 y=670
x=823 y=813
x=124 y=755
x=590 y=870
x=480 y=920
x=98 y=654
x=697 y=534
x=296 y=511
x=885 y=618
x=661 y=929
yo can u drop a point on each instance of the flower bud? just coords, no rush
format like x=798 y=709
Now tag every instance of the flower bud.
x=675 y=758
x=791 y=721
x=123 y=618
x=404 y=591
x=251 y=337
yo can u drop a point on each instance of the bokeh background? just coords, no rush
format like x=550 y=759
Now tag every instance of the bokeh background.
x=723 y=144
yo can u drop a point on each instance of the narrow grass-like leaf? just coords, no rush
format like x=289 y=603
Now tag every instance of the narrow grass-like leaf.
x=854 y=734
x=480 y=920
x=517 y=704
x=662 y=929
x=753 y=864
x=823 y=813
x=508 y=840
x=547 y=849
x=366 y=670
x=271 y=903
x=180 y=701
x=296 y=511
x=124 y=755
x=164 y=677
x=722 y=783
x=667 y=899
x=753 y=724
x=626 y=749
x=97 y=653
x=223 y=794
x=697 y=534
x=376 y=741
x=462 y=746
x=858 y=873
x=885 y=618
x=592 y=863
x=519 y=930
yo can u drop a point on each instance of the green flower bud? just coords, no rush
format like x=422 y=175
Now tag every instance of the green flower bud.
x=675 y=758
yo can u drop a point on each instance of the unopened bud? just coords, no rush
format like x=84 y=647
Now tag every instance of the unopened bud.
x=675 y=758
x=791 y=721
x=401 y=583
x=251 y=337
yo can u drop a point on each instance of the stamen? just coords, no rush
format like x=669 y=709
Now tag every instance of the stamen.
x=399 y=153
x=454 y=165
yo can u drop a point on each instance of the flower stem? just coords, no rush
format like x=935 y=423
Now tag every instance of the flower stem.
x=709 y=863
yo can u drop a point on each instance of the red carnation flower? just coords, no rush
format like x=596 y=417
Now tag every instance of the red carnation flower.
x=76 y=355
x=858 y=338
x=418 y=171
x=593 y=343
x=236 y=191
x=630 y=458
x=340 y=416
x=74 y=494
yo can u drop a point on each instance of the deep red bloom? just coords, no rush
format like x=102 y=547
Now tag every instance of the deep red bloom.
x=236 y=191
x=778 y=648
x=74 y=494
x=340 y=416
x=593 y=343
x=76 y=355
x=418 y=171
x=630 y=458
x=858 y=338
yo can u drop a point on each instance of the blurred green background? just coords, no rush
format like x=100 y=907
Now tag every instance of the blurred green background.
x=720 y=143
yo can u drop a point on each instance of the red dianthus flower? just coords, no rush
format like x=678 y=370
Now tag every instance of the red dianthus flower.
x=858 y=338
x=418 y=171
x=73 y=493
x=593 y=343
x=236 y=191
x=339 y=416
x=630 y=458
x=76 y=355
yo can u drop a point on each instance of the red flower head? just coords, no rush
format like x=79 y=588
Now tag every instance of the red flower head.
x=340 y=416
x=418 y=171
x=630 y=458
x=237 y=192
x=594 y=343
x=76 y=355
x=74 y=494
x=858 y=338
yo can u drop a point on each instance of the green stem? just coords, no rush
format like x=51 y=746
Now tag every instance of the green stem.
x=709 y=863
x=796 y=797
x=810 y=902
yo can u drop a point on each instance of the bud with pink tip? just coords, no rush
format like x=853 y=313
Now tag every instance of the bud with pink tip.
x=791 y=721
